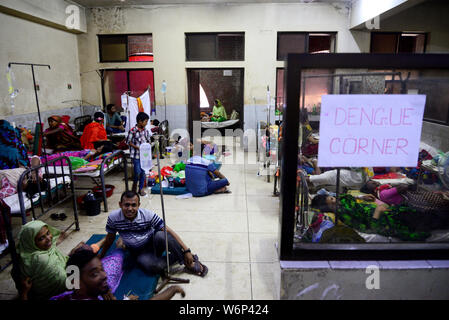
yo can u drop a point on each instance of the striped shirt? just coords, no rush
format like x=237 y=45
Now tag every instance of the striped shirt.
x=137 y=137
x=136 y=233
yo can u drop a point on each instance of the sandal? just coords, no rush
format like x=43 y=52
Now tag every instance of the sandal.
x=198 y=269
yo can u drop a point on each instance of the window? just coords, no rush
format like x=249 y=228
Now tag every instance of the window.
x=303 y=42
x=126 y=48
x=133 y=81
x=397 y=42
x=215 y=46
x=360 y=83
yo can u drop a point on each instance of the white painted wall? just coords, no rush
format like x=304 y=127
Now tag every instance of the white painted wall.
x=51 y=11
x=25 y=41
x=169 y=23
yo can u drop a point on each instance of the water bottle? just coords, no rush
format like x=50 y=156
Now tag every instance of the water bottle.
x=146 y=161
x=171 y=183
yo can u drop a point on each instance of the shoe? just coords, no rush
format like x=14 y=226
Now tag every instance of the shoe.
x=142 y=193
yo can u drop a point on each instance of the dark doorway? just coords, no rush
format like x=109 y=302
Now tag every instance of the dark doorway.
x=206 y=85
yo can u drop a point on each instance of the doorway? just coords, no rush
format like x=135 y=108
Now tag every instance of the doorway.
x=206 y=85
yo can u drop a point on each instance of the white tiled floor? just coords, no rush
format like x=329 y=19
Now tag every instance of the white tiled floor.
x=233 y=234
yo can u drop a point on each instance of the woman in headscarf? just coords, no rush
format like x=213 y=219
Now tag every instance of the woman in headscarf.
x=60 y=136
x=43 y=266
x=40 y=260
x=219 y=112
x=94 y=131
x=13 y=153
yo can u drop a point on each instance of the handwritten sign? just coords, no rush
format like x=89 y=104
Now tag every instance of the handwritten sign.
x=370 y=130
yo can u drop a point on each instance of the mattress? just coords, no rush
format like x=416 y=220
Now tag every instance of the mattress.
x=13 y=201
x=216 y=125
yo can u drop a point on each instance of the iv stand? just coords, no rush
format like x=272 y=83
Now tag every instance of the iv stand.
x=167 y=277
x=38 y=109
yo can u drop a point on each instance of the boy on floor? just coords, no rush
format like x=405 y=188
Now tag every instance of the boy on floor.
x=142 y=232
x=93 y=280
x=136 y=136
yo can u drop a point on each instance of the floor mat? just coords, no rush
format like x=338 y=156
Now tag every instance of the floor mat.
x=134 y=281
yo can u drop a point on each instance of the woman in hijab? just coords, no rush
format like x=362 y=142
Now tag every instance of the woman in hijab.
x=60 y=136
x=94 y=131
x=43 y=266
x=219 y=112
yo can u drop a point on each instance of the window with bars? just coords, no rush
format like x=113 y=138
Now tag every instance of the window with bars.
x=398 y=42
x=304 y=42
x=126 y=48
x=215 y=46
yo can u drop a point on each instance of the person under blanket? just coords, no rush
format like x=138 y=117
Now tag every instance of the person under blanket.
x=13 y=153
x=353 y=178
x=60 y=136
x=93 y=284
x=42 y=266
x=401 y=222
x=426 y=201
x=94 y=131
x=143 y=234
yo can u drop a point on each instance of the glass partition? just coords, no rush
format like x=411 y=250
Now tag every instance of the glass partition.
x=358 y=181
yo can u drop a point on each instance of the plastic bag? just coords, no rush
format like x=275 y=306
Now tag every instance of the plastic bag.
x=77 y=162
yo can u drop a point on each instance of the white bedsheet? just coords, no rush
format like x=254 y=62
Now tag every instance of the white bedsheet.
x=216 y=125
x=13 y=200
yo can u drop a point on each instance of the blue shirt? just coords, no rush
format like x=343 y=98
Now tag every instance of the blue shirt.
x=138 y=232
x=197 y=176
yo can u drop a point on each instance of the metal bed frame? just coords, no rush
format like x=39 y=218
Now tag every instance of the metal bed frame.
x=50 y=194
x=103 y=171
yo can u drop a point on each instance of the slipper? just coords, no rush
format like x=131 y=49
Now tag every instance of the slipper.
x=54 y=216
x=62 y=216
x=196 y=270
x=227 y=191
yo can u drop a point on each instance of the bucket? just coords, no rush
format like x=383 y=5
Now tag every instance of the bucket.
x=98 y=191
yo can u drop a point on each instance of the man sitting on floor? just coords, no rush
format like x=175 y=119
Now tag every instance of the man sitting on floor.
x=203 y=177
x=93 y=283
x=143 y=235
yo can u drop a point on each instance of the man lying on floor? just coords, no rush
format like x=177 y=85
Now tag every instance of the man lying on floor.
x=93 y=282
x=142 y=232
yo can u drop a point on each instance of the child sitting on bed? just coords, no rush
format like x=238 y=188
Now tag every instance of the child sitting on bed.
x=136 y=136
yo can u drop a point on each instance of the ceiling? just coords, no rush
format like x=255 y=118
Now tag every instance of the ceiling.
x=114 y=3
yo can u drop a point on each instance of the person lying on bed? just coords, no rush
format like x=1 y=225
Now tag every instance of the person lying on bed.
x=352 y=178
x=60 y=136
x=143 y=235
x=94 y=131
x=427 y=201
x=42 y=266
x=100 y=147
x=93 y=280
x=114 y=123
x=365 y=216
x=9 y=180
